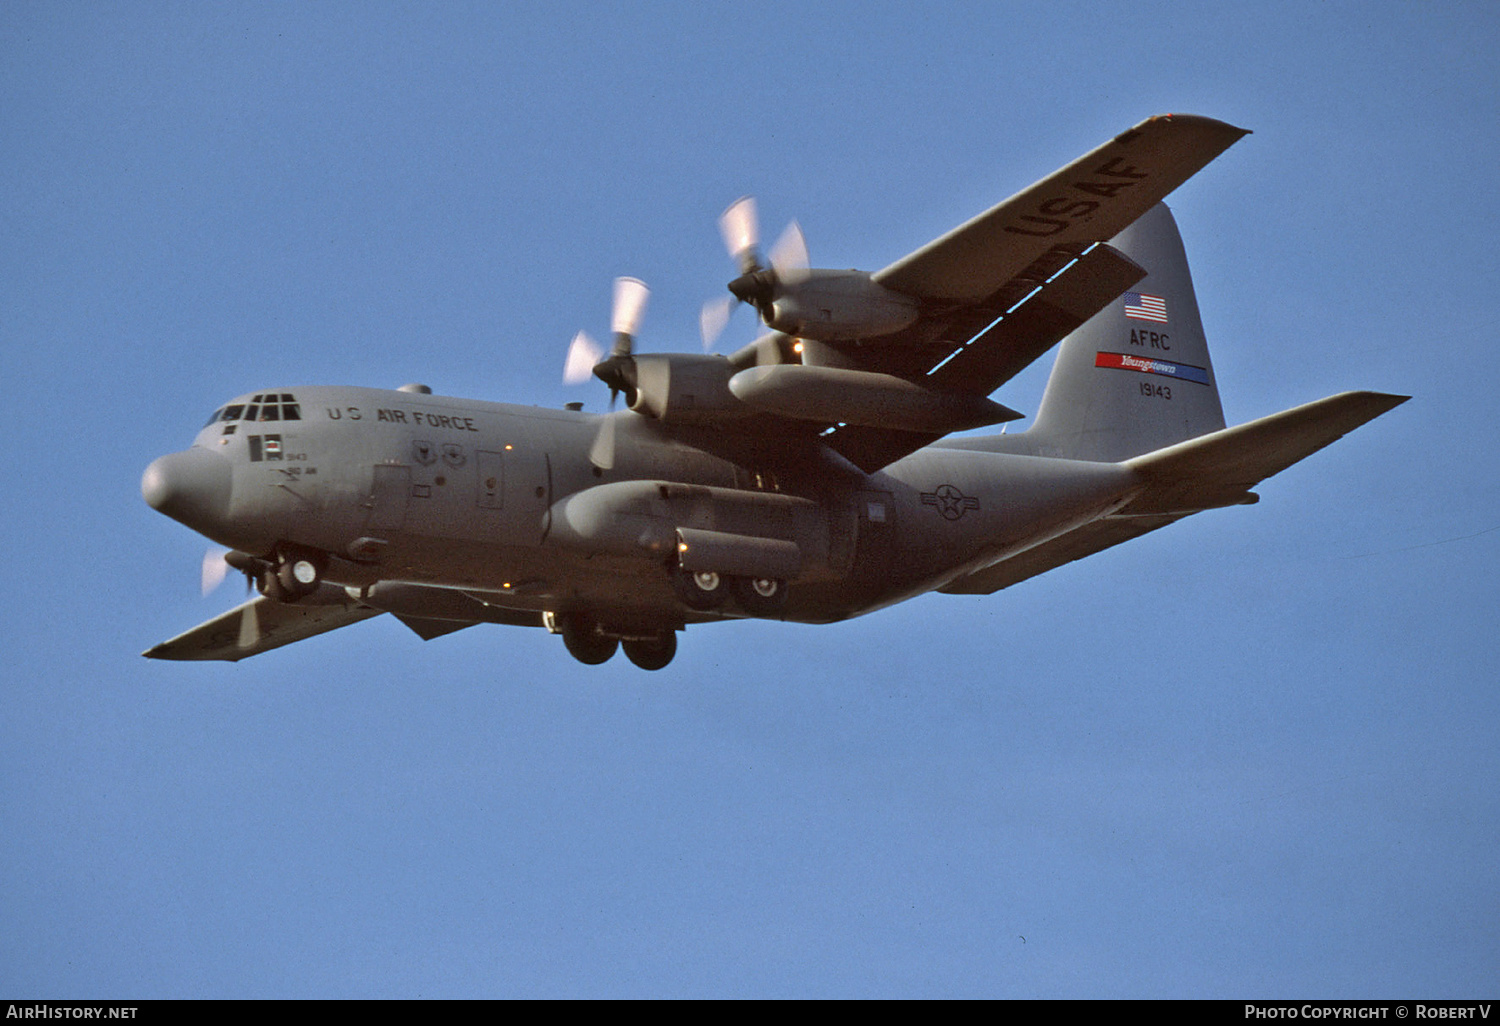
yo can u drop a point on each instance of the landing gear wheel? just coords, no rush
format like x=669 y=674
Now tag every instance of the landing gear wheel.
x=586 y=644
x=759 y=596
x=652 y=653
x=698 y=589
x=298 y=572
x=298 y=576
x=268 y=583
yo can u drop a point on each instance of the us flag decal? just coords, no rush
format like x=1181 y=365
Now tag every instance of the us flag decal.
x=1142 y=307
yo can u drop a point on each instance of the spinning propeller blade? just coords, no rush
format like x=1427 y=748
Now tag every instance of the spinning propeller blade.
x=713 y=319
x=789 y=256
x=214 y=570
x=738 y=224
x=617 y=370
x=583 y=353
x=629 y=307
x=758 y=284
x=249 y=626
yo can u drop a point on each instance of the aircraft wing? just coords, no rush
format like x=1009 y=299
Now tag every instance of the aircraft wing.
x=1207 y=472
x=258 y=626
x=1092 y=199
x=1036 y=309
x=1000 y=290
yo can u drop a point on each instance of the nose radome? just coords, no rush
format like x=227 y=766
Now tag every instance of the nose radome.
x=190 y=486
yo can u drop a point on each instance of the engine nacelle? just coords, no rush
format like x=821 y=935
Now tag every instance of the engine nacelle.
x=684 y=387
x=836 y=305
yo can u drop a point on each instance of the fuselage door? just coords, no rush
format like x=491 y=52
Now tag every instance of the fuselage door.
x=389 y=493
x=514 y=482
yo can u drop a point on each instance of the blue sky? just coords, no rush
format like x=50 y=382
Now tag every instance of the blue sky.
x=1253 y=754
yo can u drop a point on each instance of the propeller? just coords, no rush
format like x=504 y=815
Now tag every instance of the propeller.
x=757 y=283
x=218 y=562
x=617 y=370
x=583 y=353
x=214 y=570
x=249 y=635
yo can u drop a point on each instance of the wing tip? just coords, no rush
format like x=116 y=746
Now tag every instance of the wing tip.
x=1199 y=120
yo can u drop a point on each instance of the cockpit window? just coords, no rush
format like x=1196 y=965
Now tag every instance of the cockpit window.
x=273 y=406
x=263 y=407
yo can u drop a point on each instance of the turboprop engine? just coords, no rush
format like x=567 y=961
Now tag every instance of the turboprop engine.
x=683 y=387
x=793 y=298
x=830 y=306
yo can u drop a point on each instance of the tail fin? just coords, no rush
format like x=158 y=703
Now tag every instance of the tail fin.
x=1136 y=377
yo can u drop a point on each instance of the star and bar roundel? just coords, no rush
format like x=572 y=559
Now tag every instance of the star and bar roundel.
x=949 y=501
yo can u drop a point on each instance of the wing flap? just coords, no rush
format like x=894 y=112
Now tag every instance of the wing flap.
x=1092 y=199
x=1013 y=343
x=258 y=626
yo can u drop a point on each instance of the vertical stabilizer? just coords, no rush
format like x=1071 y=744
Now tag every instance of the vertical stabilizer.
x=1136 y=377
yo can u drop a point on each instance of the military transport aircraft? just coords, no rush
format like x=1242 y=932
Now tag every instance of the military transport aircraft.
x=802 y=478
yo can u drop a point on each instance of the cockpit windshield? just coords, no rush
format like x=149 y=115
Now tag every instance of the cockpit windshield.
x=264 y=407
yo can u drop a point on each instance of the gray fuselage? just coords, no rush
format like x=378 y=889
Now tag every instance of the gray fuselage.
x=502 y=501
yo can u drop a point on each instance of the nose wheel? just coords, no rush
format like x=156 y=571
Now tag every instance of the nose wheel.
x=294 y=574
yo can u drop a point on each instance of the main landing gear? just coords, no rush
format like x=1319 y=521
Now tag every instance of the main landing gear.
x=587 y=642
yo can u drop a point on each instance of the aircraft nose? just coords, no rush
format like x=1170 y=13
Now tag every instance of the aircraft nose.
x=190 y=486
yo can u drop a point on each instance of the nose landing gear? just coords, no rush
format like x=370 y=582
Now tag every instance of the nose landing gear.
x=293 y=573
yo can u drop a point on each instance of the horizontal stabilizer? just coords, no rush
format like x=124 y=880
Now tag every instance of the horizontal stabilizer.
x=258 y=626
x=1087 y=540
x=1207 y=472
x=1218 y=469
